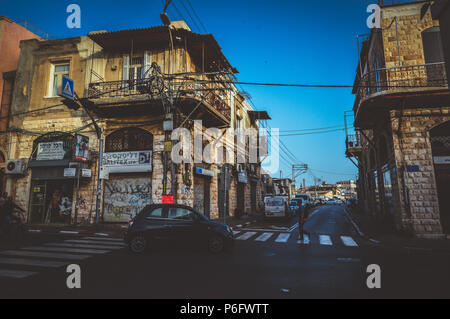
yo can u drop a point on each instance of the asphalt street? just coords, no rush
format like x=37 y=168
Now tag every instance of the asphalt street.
x=265 y=263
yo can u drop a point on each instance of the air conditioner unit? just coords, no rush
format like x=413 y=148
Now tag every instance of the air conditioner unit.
x=16 y=167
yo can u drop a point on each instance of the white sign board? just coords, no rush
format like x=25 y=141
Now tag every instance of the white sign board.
x=128 y=162
x=86 y=173
x=51 y=151
x=442 y=160
x=70 y=172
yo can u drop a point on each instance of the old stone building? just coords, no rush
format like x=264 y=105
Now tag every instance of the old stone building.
x=127 y=81
x=401 y=110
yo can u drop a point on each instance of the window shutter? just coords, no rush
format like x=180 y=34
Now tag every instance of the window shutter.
x=126 y=67
x=147 y=64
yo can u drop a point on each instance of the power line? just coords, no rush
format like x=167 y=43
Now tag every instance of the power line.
x=313 y=133
x=192 y=19
x=195 y=13
x=32 y=111
x=314 y=129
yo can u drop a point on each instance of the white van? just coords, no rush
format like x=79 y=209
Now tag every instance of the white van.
x=276 y=206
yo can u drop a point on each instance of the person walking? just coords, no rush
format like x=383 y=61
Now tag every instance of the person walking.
x=302 y=214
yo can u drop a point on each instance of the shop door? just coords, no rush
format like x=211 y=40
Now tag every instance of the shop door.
x=126 y=196
x=443 y=187
x=38 y=203
x=241 y=197
x=253 y=197
x=199 y=194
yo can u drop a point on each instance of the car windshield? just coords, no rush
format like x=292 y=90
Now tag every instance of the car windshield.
x=274 y=202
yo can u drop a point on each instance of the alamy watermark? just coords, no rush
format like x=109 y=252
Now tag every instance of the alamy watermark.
x=74 y=19
x=374 y=20
x=232 y=146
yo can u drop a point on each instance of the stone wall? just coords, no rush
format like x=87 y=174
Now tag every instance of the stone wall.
x=419 y=213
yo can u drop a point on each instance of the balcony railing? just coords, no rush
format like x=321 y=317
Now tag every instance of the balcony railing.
x=404 y=77
x=353 y=143
x=213 y=94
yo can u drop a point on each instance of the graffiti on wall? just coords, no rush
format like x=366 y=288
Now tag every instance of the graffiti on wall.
x=126 y=197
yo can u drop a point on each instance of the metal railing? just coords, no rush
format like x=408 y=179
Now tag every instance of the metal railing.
x=156 y=87
x=408 y=77
x=353 y=141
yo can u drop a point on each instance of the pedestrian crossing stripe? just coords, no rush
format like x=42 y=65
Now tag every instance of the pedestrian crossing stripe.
x=236 y=232
x=246 y=235
x=39 y=254
x=32 y=262
x=76 y=241
x=16 y=274
x=118 y=240
x=283 y=238
x=305 y=241
x=69 y=250
x=264 y=237
x=325 y=240
x=348 y=241
x=73 y=245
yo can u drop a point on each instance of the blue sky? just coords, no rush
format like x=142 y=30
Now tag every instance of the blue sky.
x=283 y=41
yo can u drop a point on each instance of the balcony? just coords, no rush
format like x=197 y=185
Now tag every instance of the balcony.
x=206 y=101
x=353 y=145
x=417 y=85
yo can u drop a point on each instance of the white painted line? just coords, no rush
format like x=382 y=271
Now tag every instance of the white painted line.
x=119 y=240
x=96 y=242
x=325 y=240
x=68 y=232
x=283 y=238
x=32 y=262
x=348 y=241
x=305 y=240
x=374 y=241
x=83 y=246
x=101 y=234
x=68 y=250
x=34 y=230
x=349 y=260
x=22 y=253
x=16 y=273
x=264 y=237
x=246 y=235
x=236 y=232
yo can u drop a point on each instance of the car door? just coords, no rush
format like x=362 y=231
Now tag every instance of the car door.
x=184 y=227
x=156 y=224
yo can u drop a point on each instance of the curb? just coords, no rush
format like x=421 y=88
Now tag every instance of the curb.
x=355 y=225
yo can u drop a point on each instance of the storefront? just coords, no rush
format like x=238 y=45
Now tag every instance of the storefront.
x=55 y=176
x=202 y=190
x=128 y=163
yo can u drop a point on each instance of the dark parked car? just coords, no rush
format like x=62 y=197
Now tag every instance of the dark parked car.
x=177 y=224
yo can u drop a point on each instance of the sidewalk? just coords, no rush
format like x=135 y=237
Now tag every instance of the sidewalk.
x=238 y=223
x=380 y=233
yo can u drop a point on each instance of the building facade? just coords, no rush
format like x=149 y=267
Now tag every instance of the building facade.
x=402 y=123
x=11 y=34
x=138 y=86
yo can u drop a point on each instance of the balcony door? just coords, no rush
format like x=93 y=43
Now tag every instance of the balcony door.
x=434 y=56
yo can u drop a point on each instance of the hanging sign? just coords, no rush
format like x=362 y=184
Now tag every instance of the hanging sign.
x=128 y=162
x=50 y=151
x=81 y=148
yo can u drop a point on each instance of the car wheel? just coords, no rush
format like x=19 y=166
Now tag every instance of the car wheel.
x=216 y=244
x=138 y=244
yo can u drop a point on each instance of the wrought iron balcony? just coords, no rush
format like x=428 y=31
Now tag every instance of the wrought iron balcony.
x=403 y=78
x=353 y=144
x=212 y=94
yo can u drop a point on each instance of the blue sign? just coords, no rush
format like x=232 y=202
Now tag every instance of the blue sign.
x=67 y=88
x=412 y=168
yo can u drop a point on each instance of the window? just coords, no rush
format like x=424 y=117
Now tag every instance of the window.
x=58 y=71
x=129 y=139
x=181 y=214
x=156 y=213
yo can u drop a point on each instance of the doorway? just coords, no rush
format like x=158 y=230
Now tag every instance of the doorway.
x=440 y=144
x=51 y=202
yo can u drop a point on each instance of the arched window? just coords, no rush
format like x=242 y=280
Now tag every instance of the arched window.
x=129 y=139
